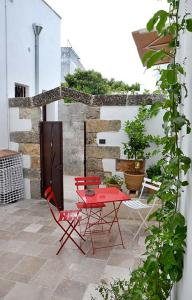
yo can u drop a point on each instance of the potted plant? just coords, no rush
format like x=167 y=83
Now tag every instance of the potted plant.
x=113 y=181
x=135 y=148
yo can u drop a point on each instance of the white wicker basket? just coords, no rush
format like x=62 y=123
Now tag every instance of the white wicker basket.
x=11 y=177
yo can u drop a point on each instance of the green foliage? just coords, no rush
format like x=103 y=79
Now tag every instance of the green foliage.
x=120 y=86
x=165 y=243
x=115 y=179
x=92 y=82
x=153 y=171
x=138 y=140
x=89 y=82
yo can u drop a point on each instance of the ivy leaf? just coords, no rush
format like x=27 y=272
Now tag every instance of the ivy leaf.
x=160 y=17
x=179 y=121
x=189 y=24
x=159 y=55
x=186 y=161
x=180 y=69
x=185 y=183
x=171 y=76
x=151 y=23
x=163 y=15
x=147 y=55
x=166 y=116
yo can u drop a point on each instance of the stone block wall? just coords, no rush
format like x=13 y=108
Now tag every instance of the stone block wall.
x=25 y=114
x=24 y=137
x=96 y=153
x=73 y=117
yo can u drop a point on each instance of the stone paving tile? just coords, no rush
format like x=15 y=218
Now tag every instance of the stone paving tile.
x=91 y=291
x=47 y=229
x=101 y=254
x=18 y=277
x=22 y=291
x=49 y=240
x=51 y=273
x=27 y=236
x=29 y=265
x=13 y=246
x=89 y=271
x=8 y=261
x=21 y=212
x=112 y=272
x=121 y=260
x=6 y=235
x=70 y=290
x=30 y=248
x=5 y=287
x=33 y=228
x=18 y=226
x=29 y=268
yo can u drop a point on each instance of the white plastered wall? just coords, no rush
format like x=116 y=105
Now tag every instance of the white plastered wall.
x=184 y=288
x=20 y=53
x=124 y=113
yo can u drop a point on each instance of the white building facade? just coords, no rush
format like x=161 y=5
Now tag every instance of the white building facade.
x=17 y=55
x=70 y=61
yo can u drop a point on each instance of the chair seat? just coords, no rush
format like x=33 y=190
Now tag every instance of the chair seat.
x=82 y=205
x=70 y=215
x=136 y=204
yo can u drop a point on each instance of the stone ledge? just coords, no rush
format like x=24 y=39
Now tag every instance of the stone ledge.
x=97 y=173
x=31 y=137
x=94 y=164
x=103 y=125
x=31 y=173
x=93 y=112
x=123 y=100
x=91 y=138
x=30 y=113
x=30 y=149
x=103 y=152
x=93 y=100
x=35 y=185
x=35 y=162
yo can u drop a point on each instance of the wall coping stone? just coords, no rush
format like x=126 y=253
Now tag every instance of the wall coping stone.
x=93 y=100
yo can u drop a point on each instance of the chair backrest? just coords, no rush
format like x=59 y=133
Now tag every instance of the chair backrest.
x=50 y=197
x=148 y=183
x=87 y=181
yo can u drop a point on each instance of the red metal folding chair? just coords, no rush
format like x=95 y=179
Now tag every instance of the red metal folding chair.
x=71 y=217
x=89 y=211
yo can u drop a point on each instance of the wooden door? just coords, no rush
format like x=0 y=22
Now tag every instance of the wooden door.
x=51 y=156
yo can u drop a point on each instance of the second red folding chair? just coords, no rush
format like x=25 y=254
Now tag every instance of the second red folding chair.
x=90 y=211
x=71 y=217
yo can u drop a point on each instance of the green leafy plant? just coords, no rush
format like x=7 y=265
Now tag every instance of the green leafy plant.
x=115 y=179
x=165 y=243
x=138 y=140
x=153 y=171
x=92 y=82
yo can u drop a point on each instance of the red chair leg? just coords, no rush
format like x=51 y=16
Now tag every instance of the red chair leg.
x=69 y=236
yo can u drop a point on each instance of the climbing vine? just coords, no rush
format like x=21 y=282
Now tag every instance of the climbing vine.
x=165 y=243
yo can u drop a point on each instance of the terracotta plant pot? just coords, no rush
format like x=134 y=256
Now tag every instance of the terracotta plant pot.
x=113 y=185
x=130 y=165
x=133 y=181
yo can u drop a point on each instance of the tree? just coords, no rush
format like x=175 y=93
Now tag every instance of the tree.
x=92 y=82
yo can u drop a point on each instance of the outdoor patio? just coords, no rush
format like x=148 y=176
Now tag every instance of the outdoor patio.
x=29 y=268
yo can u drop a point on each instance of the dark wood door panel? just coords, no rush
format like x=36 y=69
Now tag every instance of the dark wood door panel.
x=51 y=146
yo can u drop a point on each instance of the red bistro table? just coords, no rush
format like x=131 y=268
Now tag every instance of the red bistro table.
x=105 y=195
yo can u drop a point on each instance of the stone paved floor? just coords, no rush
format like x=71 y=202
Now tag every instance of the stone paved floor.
x=29 y=268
